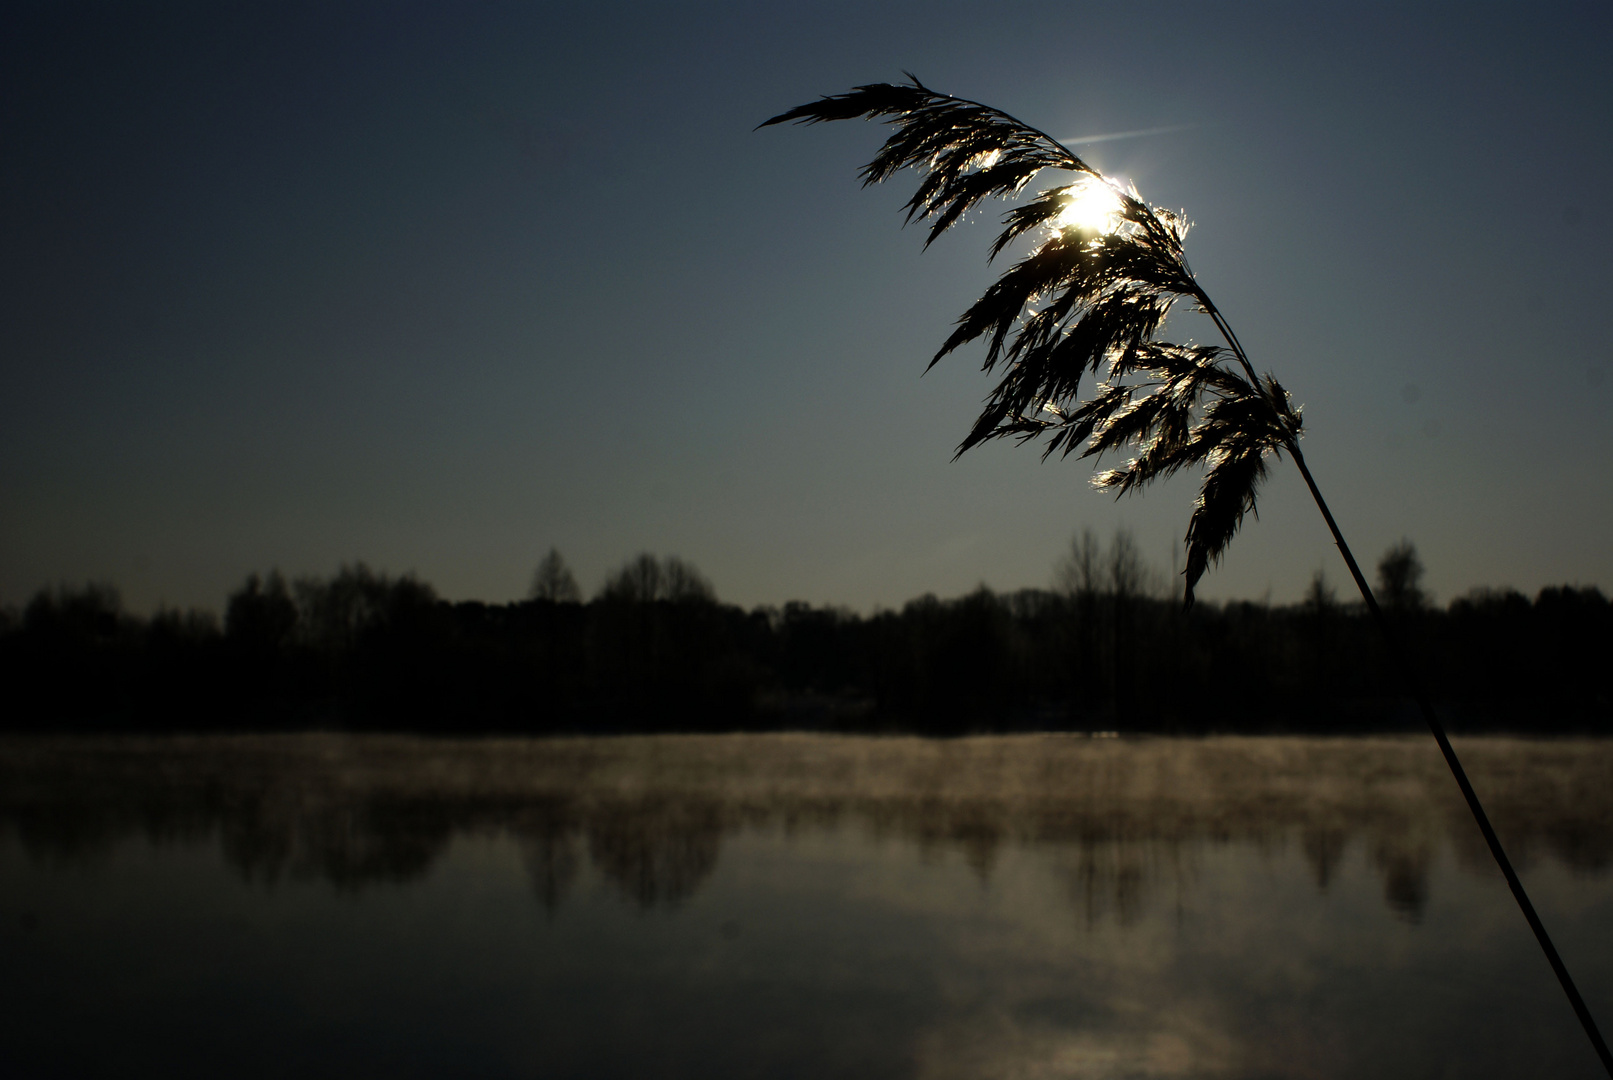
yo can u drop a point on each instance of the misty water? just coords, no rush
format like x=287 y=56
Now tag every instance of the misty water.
x=795 y=906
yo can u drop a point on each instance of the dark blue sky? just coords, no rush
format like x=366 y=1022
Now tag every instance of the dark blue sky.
x=439 y=287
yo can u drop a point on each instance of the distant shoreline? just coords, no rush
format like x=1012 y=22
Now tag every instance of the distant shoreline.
x=364 y=652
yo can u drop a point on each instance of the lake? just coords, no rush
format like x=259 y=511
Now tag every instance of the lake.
x=1033 y=906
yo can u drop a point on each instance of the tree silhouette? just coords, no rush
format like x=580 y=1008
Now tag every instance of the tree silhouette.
x=553 y=580
x=1400 y=574
x=644 y=579
x=85 y=616
x=1090 y=297
x=1106 y=588
x=1079 y=574
x=261 y=614
x=340 y=613
x=1319 y=595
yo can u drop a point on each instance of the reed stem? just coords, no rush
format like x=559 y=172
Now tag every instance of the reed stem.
x=1413 y=685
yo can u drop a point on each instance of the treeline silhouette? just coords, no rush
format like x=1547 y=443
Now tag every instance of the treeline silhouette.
x=1105 y=649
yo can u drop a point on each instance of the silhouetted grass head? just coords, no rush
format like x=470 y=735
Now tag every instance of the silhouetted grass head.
x=1102 y=273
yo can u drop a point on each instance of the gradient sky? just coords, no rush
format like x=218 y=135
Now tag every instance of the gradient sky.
x=437 y=287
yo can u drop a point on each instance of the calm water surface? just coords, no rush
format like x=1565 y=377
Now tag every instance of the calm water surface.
x=795 y=906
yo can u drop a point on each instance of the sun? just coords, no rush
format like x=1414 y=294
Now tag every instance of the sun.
x=1092 y=208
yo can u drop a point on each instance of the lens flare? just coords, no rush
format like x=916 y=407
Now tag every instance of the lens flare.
x=1092 y=208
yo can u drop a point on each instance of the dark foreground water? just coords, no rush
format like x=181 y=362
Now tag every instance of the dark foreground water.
x=795 y=906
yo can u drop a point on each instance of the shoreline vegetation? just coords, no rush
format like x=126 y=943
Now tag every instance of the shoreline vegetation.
x=655 y=651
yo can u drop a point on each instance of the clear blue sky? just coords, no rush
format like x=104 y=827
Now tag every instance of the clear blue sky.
x=439 y=286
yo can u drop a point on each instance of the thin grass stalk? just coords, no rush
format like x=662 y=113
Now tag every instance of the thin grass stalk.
x=1413 y=686
x=1414 y=689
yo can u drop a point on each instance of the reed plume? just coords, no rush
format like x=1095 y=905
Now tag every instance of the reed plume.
x=1089 y=299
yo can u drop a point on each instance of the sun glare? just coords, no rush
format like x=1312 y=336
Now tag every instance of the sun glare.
x=1092 y=208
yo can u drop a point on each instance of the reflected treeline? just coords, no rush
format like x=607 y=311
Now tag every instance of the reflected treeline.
x=1120 y=818
x=656 y=651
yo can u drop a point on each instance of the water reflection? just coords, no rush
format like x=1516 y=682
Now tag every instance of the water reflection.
x=651 y=814
x=658 y=849
x=793 y=906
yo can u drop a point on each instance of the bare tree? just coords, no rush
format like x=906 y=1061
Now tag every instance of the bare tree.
x=682 y=583
x=637 y=581
x=1079 y=574
x=1400 y=575
x=644 y=579
x=1320 y=596
x=1105 y=587
x=1129 y=577
x=553 y=580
